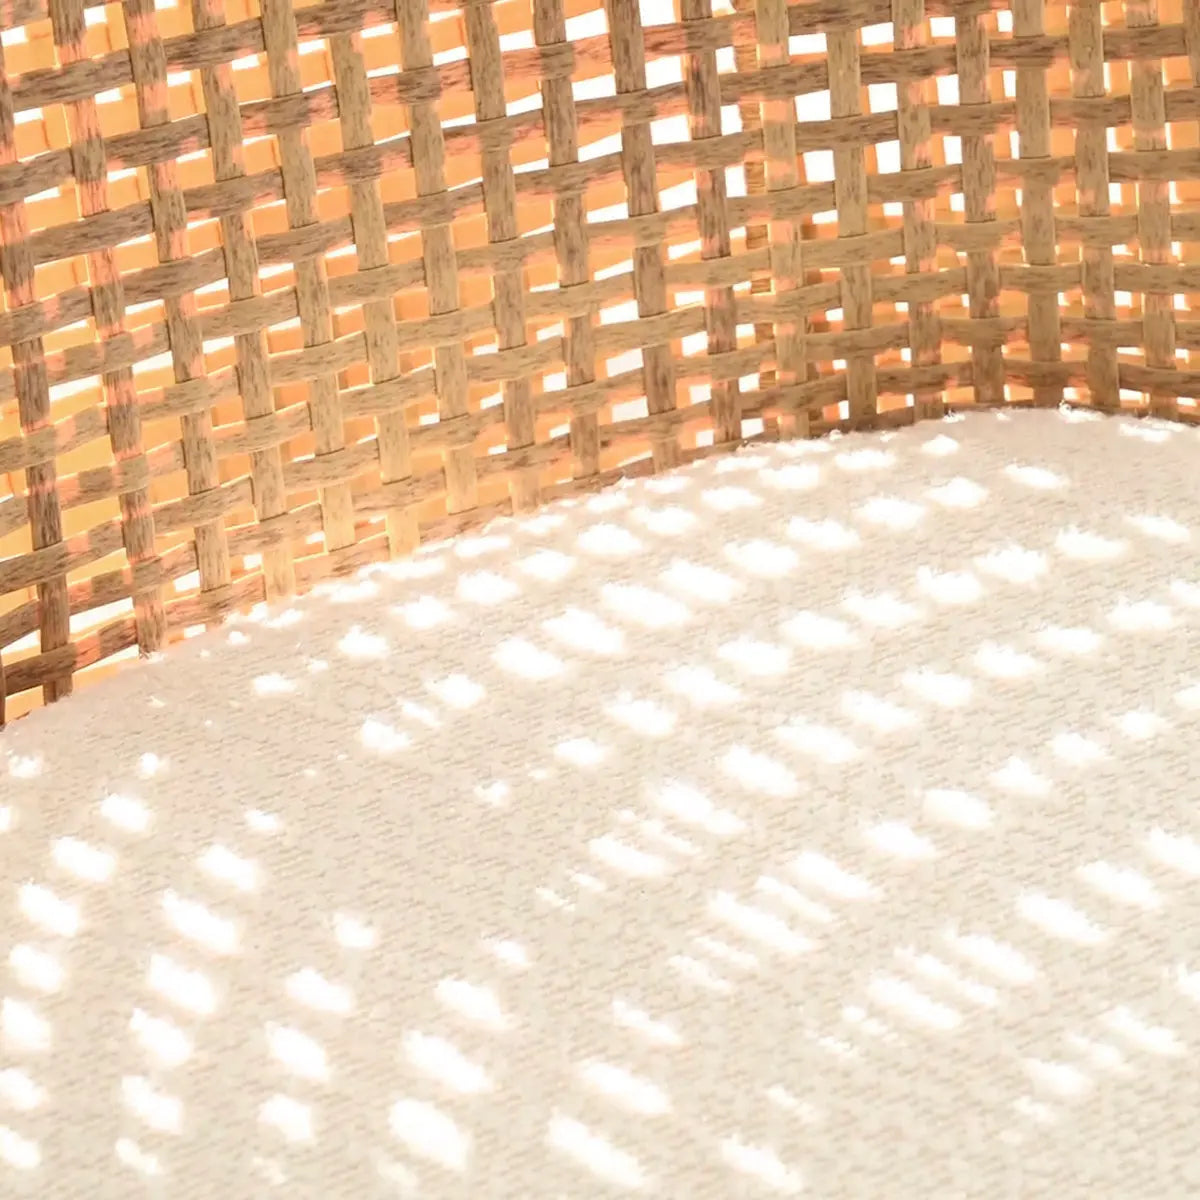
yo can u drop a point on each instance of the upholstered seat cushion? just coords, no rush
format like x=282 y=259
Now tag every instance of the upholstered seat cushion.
x=817 y=820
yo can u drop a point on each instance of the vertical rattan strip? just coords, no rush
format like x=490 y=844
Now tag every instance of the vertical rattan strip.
x=371 y=245
x=312 y=286
x=1037 y=207
x=1092 y=181
x=89 y=161
x=754 y=171
x=149 y=62
x=850 y=192
x=441 y=263
x=911 y=32
x=570 y=224
x=1191 y=38
x=704 y=121
x=500 y=204
x=781 y=175
x=241 y=269
x=1154 y=209
x=33 y=409
x=641 y=188
x=979 y=198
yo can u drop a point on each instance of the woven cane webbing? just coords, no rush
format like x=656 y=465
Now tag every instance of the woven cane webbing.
x=291 y=288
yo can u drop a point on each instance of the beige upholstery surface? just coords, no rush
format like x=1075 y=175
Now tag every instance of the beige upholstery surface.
x=818 y=821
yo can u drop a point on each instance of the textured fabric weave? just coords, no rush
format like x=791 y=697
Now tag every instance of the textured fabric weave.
x=819 y=820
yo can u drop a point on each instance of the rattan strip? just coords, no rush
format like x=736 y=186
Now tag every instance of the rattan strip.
x=979 y=189
x=1037 y=201
x=370 y=241
x=108 y=304
x=440 y=263
x=712 y=210
x=781 y=175
x=312 y=289
x=850 y=197
x=500 y=205
x=913 y=105
x=1154 y=205
x=183 y=330
x=754 y=172
x=761 y=264
x=241 y=268
x=570 y=234
x=641 y=186
x=32 y=390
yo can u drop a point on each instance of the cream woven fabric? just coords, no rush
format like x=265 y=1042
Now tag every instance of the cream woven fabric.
x=815 y=821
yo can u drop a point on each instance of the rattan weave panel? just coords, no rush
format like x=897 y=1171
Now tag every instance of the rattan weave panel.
x=288 y=289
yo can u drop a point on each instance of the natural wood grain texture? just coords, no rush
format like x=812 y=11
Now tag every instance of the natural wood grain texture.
x=292 y=289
